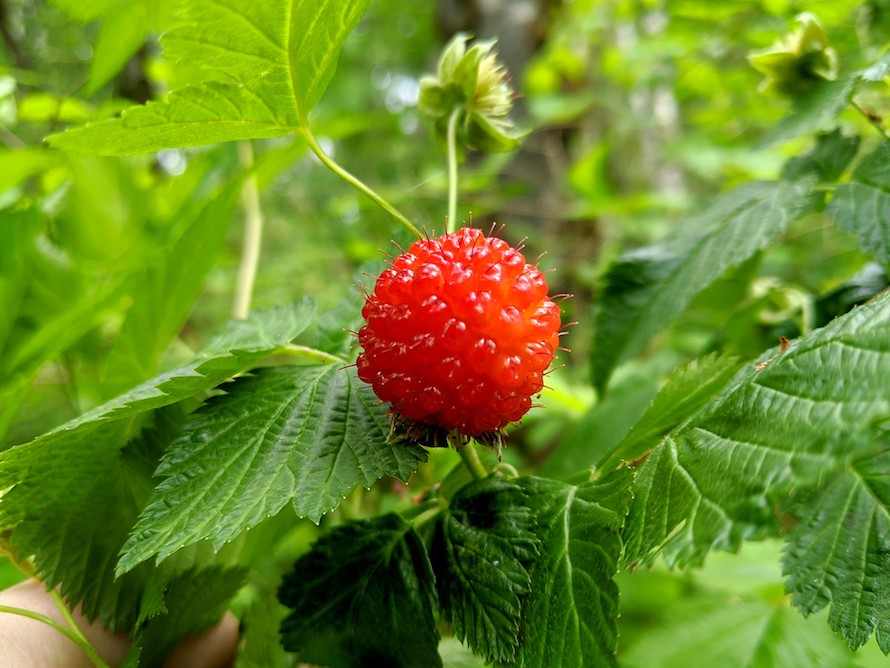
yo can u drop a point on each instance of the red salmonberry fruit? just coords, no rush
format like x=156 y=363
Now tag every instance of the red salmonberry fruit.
x=459 y=333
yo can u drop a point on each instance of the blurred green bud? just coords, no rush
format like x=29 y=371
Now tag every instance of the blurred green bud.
x=797 y=62
x=472 y=83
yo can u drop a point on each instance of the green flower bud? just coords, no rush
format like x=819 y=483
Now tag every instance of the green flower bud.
x=799 y=61
x=472 y=83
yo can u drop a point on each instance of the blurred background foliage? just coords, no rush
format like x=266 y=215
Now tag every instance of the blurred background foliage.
x=636 y=113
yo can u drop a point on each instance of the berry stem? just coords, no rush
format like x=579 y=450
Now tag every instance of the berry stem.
x=451 y=140
x=352 y=180
x=471 y=460
x=74 y=636
x=253 y=235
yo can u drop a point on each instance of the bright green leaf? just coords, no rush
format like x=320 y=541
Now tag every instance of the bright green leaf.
x=863 y=206
x=480 y=553
x=840 y=552
x=647 y=288
x=363 y=596
x=165 y=290
x=739 y=634
x=683 y=394
x=275 y=60
x=302 y=434
x=570 y=617
x=20 y=165
x=71 y=494
x=783 y=423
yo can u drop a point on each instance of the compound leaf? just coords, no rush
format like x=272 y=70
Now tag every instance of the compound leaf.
x=302 y=434
x=268 y=64
x=786 y=422
x=363 y=596
x=647 y=288
x=481 y=549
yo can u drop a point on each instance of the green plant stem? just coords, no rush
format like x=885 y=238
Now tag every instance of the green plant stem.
x=353 y=180
x=253 y=234
x=74 y=636
x=451 y=140
x=471 y=460
x=875 y=120
x=293 y=350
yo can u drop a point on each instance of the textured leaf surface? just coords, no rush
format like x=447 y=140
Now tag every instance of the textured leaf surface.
x=571 y=613
x=270 y=62
x=783 y=423
x=683 y=394
x=840 y=553
x=71 y=493
x=363 y=596
x=816 y=110
x=301 y=434
x=862 y=207
x=480 y=554
x=647 y=288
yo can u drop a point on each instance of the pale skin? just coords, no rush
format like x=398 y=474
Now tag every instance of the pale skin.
x=28 y=643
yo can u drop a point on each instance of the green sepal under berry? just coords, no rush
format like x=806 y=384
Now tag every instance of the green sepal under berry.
x=471 y=83
x=363 y=596
x=481 y=550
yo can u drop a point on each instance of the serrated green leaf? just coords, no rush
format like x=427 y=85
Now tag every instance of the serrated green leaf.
x=784 y=423
x=363 y=596
x=827 y=160
x=570 y=617
x=303 y=434
x=686 y=390
x=480 y=552
x=71 y=494
x=194 y=601
x=840 y=552
x=647 y=288
x=862 y=207
x=274 y=61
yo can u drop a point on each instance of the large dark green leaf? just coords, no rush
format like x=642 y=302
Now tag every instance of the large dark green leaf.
x=840 y=553
x=647 y=288
x=482 y=547
x=784 y=423
x=570 y=617
x=363 y=596
x=270 y=63
x=71 y=494
x=305 y=435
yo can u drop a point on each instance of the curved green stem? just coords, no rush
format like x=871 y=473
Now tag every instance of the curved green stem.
x=353 y=180
x=471 y=460
x=451 y=139
x=294 y=350
x=253 y=235
x=76 y=637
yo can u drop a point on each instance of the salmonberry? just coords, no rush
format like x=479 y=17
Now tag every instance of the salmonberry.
x=459 y=333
